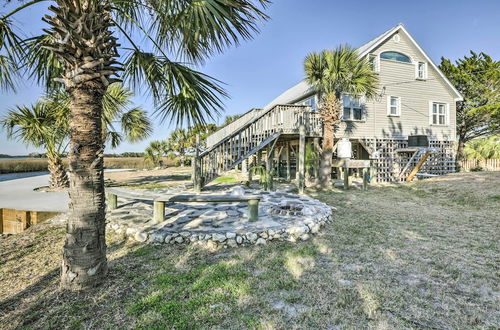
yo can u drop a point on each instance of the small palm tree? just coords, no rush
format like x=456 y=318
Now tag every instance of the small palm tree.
x=45 y=125
x=155 y=152
x=333 y=73
x=38 y=126
x=180 y=141
x=483 y=148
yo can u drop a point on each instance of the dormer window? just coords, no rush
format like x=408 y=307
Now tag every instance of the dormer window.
x=421 y=70
x=395 y=56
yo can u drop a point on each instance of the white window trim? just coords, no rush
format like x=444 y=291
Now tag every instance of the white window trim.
x=376 y=62
x=416 y=70
x=446 y=115
x=398 y=113
x=361 y=107
x=412 y=61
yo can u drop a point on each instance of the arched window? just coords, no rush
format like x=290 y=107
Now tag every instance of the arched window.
x=395 y=56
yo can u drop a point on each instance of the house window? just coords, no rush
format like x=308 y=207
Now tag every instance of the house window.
x=374 y=62
x=353 y=109
x=311 y=102
x=439 y=113
x=393 y=106
x=395 y=56
x=421 y=70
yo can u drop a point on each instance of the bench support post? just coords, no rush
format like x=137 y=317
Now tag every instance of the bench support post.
x=197 y=167
x=112 y=202
x=159 y=212
x=346 y=177
x=366 y=174
x=253 y=210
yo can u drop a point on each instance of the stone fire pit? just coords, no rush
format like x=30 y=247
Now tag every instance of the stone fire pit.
x=282 y=216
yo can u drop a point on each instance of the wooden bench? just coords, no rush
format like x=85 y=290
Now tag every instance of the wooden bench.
x=113 y=193
x=159 y=203
x=253 y=203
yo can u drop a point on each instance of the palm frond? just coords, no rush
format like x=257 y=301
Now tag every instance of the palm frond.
x=10 y=54
x=114 y=102
x=179 y=91
x=136 y=125
x=114 y=138
x=33 y=125
x=197 y=29
x=41 y=63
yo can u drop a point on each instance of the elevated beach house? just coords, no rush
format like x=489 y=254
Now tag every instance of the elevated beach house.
x=411 y=121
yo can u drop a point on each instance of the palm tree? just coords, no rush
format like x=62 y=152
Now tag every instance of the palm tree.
x=38 y=126
x=333 y=73
x=80 y=52
x=483 y=148
x=180 y=141
x=155 y=152
x=45 y=125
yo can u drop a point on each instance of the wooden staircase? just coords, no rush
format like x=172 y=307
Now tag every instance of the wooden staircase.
x=418 y=153
x=252 y=137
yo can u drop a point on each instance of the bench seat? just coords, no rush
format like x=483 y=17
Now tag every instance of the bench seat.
x=253 y=203
x=159 y=202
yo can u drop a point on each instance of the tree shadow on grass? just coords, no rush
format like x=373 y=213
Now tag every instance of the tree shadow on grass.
x=362 y=270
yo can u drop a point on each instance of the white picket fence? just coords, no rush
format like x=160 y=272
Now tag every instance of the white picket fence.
x=483 y=164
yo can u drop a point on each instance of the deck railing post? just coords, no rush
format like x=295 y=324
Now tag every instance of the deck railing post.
x=288 y=165
x=302 y=155
x=269 y=168
x=196 y=167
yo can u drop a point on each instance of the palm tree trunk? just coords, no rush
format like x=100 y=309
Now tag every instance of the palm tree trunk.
x=330 y=113
x=85 y=45
x=325 y=168
x=58 y=175
x=84 y=257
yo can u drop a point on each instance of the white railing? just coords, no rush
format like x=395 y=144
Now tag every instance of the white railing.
x=232 y=127
x=236 y=145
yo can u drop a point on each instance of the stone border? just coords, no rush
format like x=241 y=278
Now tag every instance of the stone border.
x=299 y=228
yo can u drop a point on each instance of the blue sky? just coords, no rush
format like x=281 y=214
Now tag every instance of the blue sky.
x=260 y=69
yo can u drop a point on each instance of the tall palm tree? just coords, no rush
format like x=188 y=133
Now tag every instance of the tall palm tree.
x=45 y=125
x=80 y=51
x=333 y=73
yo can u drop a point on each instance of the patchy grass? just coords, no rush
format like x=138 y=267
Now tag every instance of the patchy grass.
x=420 y=255
x=226 y=179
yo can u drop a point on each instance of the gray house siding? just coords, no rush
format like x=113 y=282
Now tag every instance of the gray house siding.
x=399 y=80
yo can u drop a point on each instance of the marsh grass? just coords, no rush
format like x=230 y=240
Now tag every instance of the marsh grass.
x=36 y=165
x=420 y=255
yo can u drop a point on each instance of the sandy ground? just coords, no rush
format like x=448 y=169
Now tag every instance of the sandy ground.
x=167 y=176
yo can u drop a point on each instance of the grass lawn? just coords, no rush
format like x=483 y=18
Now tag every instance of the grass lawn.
x=420 y=255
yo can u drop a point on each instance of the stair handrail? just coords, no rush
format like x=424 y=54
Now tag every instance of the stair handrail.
x=223 y=131
x=248 y=125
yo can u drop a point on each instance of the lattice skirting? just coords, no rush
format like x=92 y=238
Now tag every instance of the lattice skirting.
x=391 y=163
